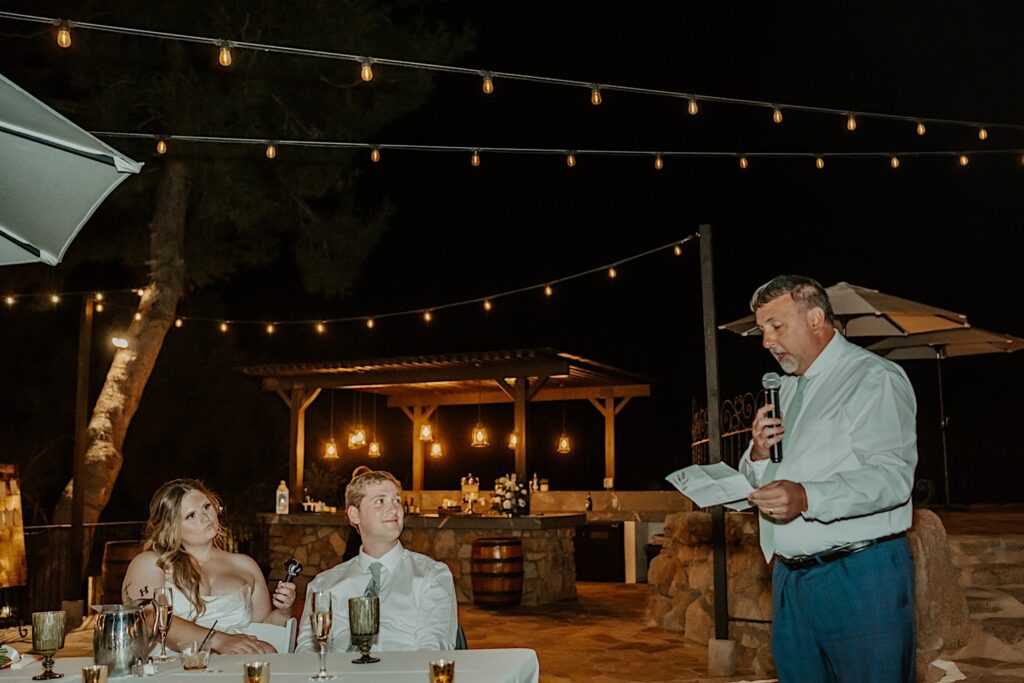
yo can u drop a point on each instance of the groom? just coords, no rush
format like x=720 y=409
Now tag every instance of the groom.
x=417 y=595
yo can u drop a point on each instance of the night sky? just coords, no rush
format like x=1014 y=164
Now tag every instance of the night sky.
x=930 y=231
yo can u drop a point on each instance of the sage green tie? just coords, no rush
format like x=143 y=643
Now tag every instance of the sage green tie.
x=767 y=526
x=373 y=588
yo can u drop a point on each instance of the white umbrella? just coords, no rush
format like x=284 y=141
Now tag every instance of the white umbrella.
x=970 y=341
x=864 y=312
x=53 y=176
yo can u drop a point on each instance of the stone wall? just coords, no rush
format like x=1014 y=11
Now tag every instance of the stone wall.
x=549 y=565
x=317 y=547
x=681 y=590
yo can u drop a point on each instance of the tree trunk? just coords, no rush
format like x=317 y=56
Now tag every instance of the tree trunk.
x=131 y=366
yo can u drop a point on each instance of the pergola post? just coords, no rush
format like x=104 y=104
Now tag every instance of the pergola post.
x=419 y=416
x=521 y=392
x=609 y=409
x=297 y=401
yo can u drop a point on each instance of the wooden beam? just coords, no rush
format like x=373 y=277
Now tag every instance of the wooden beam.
x=298 y=401
x=418 y=415
x=521 y=392
x=414 y=375
x=452 y=398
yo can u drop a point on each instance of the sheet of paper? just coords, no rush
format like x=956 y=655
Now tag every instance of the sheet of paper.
x=708 y=485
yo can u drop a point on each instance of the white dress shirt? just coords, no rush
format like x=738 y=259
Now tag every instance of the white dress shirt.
x=417 y=602
x=853 y=447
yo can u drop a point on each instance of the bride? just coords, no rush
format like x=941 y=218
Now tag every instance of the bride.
x=183 y=551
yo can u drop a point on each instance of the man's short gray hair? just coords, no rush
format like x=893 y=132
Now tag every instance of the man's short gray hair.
x=805 y=291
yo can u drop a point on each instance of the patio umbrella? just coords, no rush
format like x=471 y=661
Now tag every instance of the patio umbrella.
x=864 y=312
x=53 y=176
x=970 y=341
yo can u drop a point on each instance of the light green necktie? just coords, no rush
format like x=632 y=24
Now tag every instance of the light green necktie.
x=373 y=588
x=767 y=526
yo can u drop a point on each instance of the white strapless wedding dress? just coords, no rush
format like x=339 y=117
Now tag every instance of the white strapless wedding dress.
x=232 y=611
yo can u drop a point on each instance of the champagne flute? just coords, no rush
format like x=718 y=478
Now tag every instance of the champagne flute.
x=321 y=618
x=47 y=638
x=164 y=602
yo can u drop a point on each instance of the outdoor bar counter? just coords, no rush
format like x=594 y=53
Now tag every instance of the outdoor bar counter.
x=319 y=539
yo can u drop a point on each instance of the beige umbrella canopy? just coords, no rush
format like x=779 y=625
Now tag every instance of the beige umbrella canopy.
x=53 y=176
x=864 y=312
x=969 y=341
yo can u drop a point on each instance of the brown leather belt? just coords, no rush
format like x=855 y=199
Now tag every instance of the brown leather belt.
x=825 y=556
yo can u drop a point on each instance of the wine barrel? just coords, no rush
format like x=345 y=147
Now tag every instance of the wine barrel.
x=117 y=555
x=497 y=567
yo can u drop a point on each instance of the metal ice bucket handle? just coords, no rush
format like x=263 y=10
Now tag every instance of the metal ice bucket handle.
x=120 y=638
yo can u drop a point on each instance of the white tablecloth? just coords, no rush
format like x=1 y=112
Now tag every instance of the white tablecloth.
x=471 y=666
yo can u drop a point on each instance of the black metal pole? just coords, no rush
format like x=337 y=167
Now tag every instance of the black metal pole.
x=942 y=428
x=73 y=588
x=707 y=282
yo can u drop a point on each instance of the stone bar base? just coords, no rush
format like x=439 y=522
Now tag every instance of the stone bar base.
x=318 y=540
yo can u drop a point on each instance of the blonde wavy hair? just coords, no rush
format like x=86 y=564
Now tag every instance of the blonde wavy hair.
x=163 y=536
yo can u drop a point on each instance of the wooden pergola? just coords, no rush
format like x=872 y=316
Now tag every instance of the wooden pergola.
x=419 y=384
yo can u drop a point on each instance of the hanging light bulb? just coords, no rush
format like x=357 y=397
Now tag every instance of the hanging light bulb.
x=436 y=450
x=178 y=322
x=370 y=323
x=320 y=328
x=331 y=447
x=564 y=445
x=819 y=162
x=548 y=291
x=271 y=150
x=224 y=327
x=99 y=307
x=374 y=450
x=224 y=55
x=677 y=250
x=921 y=130
x=692 y=106
x=744 y=164
x=659 y=163
x=119 y=342
x=964 y=160
x=570 y=160
x=427 y=316
x=271 y=328
x=982 y=134
x=9 y=300
x=161 y=146
x=426 y=432
x=357 y=438
x=851 y=122
x=64 y=34
x=513 y=440
x=612 y=273
x=479 y=437
x=488 y=85
x=99 y=296
x=475 y=159
x=894 y=162
x=488 y=305
x=595 y=96
x=375 y=154
x=366 y=71
x=776 y=115
x=54 y=299
x=138 y=316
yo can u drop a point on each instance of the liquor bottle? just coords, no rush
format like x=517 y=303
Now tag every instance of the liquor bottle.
x=590 y=502
x=281 y=499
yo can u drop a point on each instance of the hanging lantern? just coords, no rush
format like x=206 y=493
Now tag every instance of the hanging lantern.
x=426 y=432
x=436 y=450
x=331 y=449
x=564 y=446
x=374 y=450
x=479 y=439
x=513 y=440
x=357 y=438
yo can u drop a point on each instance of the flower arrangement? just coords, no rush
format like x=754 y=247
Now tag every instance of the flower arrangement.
x=511 y=497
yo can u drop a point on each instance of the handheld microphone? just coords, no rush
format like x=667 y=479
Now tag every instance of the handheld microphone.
x=771 y=383
x=292 y=568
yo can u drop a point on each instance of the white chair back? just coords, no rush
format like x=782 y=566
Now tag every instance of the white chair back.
x=281 y=637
